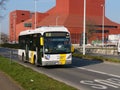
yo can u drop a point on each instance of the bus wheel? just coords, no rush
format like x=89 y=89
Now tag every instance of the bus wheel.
x=35 y=61
x=23 y=58
x=118 y=53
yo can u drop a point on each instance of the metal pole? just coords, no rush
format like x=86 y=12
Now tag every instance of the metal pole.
x=35 y=13
x=10 y=57
x=103 y=25
x=15 y=27
x=84 y=27
x=0 y=32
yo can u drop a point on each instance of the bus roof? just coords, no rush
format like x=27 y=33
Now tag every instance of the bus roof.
x=42 y=30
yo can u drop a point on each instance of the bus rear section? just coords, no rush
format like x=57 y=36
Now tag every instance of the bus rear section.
x=46 y=46
x=118 y=47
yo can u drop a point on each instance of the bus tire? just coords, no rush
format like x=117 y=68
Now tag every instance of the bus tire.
x=23 y=58
x=35 y=61
x=118 y=53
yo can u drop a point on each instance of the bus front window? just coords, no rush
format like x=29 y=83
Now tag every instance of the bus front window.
x=57 y=45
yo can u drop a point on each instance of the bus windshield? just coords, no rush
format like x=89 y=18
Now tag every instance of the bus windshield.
x=57 y=45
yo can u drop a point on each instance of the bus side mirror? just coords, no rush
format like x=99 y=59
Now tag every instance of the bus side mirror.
x=72 y=48
x=41 y=41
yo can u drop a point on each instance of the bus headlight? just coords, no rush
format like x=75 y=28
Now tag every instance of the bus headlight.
x=47 y=57
x=69 y=57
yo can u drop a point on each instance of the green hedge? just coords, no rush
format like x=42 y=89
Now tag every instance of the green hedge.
x=16 y=46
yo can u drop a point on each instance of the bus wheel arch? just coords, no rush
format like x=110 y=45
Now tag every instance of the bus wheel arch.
x=23 y=57
x=35 y=61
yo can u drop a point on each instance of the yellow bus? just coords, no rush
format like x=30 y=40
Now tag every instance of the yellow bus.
x=45 y=46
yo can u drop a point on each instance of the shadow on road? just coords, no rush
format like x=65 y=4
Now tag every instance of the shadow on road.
x=76 y=62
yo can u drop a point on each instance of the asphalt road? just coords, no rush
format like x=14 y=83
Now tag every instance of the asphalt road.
x=82 y=74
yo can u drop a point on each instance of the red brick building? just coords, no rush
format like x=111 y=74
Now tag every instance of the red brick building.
x=67 y=13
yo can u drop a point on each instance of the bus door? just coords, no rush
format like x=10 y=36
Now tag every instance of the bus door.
x=27 y=52
x=38 y=56
x=39 y=50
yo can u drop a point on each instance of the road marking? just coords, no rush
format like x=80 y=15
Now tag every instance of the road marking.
x=102 y=83
x=95 y=71
x=99 y=83
x=93 y=84
x=107 y=83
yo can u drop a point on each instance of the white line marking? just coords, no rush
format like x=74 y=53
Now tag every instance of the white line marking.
x=104 y=73
x=105 y=82
x=93 y=85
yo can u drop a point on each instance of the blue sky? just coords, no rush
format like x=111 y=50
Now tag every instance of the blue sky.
x=112 y=9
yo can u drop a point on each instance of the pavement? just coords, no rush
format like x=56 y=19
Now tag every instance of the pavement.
x=6 y=83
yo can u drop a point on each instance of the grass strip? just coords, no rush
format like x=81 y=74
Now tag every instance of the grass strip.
x=29 y=79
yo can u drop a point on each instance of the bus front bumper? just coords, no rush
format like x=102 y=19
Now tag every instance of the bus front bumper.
x=47 y=63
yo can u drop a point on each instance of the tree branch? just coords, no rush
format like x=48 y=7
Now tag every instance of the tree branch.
x=2 y=7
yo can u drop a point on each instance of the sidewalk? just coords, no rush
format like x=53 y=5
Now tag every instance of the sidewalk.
x=8 y=84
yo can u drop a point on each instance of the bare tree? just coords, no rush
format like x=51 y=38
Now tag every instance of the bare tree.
x=4 y=38
x=2 y=7
x=90 y=30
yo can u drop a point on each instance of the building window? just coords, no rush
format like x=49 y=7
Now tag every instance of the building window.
x=106 y=26
x=22 y=20
x=22 y=14
x=100 y=31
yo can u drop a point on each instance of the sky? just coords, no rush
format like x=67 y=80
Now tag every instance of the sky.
x=111 y=9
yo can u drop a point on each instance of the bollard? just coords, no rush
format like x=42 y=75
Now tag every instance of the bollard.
x=10 y=57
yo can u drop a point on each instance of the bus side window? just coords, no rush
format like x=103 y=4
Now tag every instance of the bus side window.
x=21 y=42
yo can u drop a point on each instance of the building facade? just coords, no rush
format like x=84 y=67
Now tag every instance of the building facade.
x=68 y=13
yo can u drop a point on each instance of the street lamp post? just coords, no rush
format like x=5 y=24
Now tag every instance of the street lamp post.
x=0 y=31
x=84 y=27
x=14 y=26
x=35 y=13
x=103 y=24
